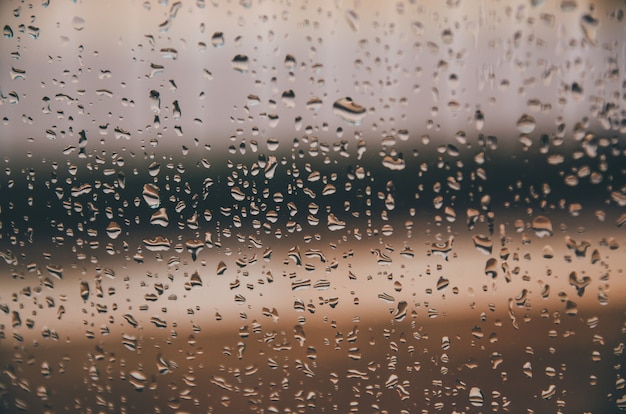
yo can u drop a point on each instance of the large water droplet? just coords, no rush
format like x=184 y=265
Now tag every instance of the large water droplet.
x=78 y=23
x=476 y=397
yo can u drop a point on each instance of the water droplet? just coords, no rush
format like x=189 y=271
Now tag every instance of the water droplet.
x=8 y=32
x=289 y=98
x=547 y=252
x=443 y=249
x=131 y=321
x=217 y=40
x=151 y=195
x=138 y=380
x=491 y=267
x=476 y=397
x=579 y=283
x=401 y=311
x=483 y=243
x=549 y=392
x=157 y=244
x=84 y=290
x=113 y=230
x=394 y=163
x=590 y=26
x=447 y=36
x=442 y=283
x=526 y=124
x=542 y=226
x=353 y=20
x=334 y=224
x=349 y=111
x=158 y=322
x=392 y=381
x=46 y=371
x=237 y=194
x=240 y=63
x=78 y=23
x=314 y=104
x=160 y=218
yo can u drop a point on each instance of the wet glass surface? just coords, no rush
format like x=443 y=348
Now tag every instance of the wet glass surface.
x=275 y=207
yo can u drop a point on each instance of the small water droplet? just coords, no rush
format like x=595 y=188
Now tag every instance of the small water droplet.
x=78 y=23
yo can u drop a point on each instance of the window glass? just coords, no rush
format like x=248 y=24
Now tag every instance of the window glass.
x=292 y=206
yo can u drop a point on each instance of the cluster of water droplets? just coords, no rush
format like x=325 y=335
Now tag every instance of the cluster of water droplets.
x=327 y=208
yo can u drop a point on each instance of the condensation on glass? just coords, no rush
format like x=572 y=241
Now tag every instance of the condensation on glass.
x=334 y=206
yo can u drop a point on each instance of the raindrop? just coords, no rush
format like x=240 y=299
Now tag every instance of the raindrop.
x=579 y=283
x=240 y=63
x=84 y=290
x=476 y=397
x=394 y=163
x=590 y=26
x=151 y=195
x=217 y=40
x=113 y=230
x=526 y=124
x=349 y=111
x=8 y=32
x=483 y=244
x=353 y=20
x=334 y=223
x=491 y=267
x=78 y=23
x=542 y=226
x=138 y=380
x=160 y=218
x=314 y=104
x=549 y=392
x=401 y=311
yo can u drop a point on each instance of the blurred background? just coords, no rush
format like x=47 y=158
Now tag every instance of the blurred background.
x=343 y=206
